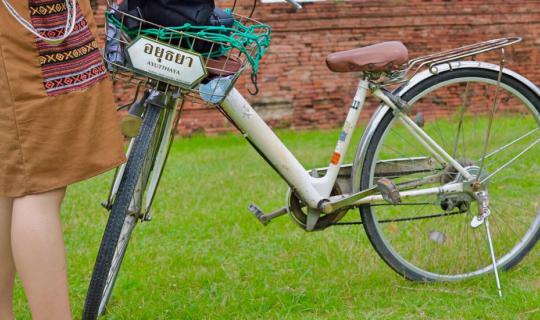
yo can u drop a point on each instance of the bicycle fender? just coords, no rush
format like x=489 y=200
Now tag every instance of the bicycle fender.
x=376 y=118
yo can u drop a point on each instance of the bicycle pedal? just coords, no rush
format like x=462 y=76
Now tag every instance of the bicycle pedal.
x=130 y=125
x=389 y=190
x=266 y=218
x=259 y=214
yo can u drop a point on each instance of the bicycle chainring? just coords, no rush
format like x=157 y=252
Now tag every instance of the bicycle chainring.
x=298 y=212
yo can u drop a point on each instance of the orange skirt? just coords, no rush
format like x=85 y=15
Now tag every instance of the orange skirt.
x=58 y=123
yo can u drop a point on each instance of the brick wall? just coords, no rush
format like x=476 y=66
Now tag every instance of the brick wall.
x=298 y=91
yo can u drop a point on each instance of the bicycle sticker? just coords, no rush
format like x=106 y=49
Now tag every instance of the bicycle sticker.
x=335 y=158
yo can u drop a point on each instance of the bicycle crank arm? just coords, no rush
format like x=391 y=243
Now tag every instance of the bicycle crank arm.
x=266 y=218
x=337 y=202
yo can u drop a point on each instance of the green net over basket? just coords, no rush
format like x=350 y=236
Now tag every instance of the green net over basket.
x=252 y=40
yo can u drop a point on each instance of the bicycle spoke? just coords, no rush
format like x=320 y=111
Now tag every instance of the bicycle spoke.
x=511 y=161
x=498 y=216
x=416 y=146
x=492 y=115
x=504 y=147
x=515 y=217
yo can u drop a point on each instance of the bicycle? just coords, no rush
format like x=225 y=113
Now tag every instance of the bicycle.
x=423 y=182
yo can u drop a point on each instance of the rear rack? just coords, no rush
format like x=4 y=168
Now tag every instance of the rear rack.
x=446 y=57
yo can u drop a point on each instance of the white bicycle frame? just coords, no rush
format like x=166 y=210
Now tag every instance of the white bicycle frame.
x=314 y=191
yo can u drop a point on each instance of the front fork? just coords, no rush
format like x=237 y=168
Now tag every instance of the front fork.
x=140 y=207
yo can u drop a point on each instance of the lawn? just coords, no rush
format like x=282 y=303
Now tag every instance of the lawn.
x=205 y=257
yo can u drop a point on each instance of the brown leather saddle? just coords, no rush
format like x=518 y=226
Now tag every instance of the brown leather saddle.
x=380 y=57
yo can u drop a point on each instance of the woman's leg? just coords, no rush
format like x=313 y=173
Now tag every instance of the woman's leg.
x=7 y=267
x=39 y=254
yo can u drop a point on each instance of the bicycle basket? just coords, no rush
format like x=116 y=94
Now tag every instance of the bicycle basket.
x=200 y=61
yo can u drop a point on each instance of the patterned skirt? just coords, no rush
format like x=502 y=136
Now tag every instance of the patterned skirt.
x=58 y=123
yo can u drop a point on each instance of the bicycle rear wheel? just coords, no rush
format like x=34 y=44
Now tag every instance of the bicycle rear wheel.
x=125 y=212
x=429 y=238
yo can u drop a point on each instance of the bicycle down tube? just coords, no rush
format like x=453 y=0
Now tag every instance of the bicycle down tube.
x=312 y=190
x=315 y=190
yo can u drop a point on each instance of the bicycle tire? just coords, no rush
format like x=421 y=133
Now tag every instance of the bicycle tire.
x=406 y=260
x=118 y=214
x=151 y=167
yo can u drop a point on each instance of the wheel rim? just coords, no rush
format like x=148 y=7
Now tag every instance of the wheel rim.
x=429 y=258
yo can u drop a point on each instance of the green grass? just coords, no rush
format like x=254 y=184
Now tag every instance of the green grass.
x=205 y=257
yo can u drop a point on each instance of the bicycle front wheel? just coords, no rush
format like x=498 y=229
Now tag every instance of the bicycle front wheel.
x=124 y=214
x=430 y=238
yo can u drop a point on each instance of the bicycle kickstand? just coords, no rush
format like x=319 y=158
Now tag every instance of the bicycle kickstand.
x=482 y=218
